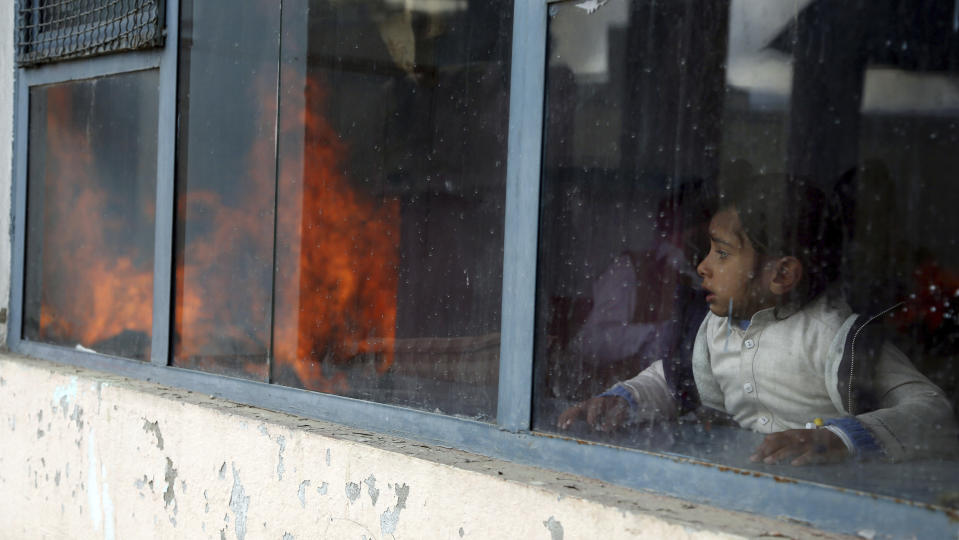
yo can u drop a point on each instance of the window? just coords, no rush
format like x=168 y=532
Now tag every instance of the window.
x=92 y=186
x=345 y=233
x=393 y=214
x=640 y=153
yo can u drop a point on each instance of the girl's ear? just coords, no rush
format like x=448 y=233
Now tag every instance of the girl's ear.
x=788 y=275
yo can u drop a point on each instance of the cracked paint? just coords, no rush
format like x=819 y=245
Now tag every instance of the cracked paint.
x=391 y=517
x=323 y=488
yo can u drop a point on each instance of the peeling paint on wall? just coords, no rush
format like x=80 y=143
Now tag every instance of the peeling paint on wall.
x=64 y=406
x=301 y=492
x=554 y=527
x=281 y=440
x=68 y=392
x=327 y=457
x=391 y=518
x=77 y=416
x=169 y=477
x=239 y=504
x=168 y=491
x=154 y=428
x=371 y=489
x=352 y=491
x=322 y=489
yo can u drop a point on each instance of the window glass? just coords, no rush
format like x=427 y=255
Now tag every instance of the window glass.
x=226 y=170
x=341 y=180
x=755 y=165
x=90 y=214
x=392 y=161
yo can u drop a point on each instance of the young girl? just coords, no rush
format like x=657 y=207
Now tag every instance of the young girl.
x=781 y=353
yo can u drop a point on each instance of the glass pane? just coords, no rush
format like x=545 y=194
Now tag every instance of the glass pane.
x=90 y=214
x=392 y=161
x=226 y=171
x=727 y=185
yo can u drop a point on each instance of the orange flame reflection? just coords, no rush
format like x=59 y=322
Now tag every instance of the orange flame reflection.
x=94 y=287
x=337 y=252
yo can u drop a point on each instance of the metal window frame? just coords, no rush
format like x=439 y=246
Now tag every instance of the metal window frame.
x=111 y=31
x=510 y=437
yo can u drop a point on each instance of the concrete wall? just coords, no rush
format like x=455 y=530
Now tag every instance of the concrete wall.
x=91 y=455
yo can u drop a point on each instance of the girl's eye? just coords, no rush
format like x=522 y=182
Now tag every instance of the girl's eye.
x=722 y=254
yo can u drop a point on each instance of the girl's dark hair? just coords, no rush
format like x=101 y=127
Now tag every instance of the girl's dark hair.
x=786 y=215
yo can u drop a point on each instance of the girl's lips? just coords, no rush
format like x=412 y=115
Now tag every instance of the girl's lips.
x=710 y=297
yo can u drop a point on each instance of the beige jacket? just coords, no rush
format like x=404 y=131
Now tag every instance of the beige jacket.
x=783 y=372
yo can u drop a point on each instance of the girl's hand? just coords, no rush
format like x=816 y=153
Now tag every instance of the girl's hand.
x=802 y=446
x=603 y=413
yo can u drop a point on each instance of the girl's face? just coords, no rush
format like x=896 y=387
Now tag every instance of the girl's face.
x=730 y=270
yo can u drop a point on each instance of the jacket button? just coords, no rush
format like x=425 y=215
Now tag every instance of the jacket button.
x=763 y=420
x=748 y=387
x=749 y=344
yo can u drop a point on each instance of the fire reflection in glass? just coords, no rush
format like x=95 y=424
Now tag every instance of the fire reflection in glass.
x=90 y=216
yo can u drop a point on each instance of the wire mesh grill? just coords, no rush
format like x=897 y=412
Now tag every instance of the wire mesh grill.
x=51 y=30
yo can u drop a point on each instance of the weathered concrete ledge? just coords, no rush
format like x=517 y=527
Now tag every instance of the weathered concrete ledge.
x=85 y=454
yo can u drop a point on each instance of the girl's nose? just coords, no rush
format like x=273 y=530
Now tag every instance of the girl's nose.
x=701 y=268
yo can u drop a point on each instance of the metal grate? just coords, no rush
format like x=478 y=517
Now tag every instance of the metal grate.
x=51 y=30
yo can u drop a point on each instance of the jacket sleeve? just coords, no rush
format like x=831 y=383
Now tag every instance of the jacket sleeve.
x=648 y=395
x=913 y=419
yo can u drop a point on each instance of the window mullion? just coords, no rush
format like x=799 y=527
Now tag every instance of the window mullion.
x=21 y=123
x=527 y=83
x=166 y=153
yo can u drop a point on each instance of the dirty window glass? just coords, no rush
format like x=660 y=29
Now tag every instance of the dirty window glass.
x=664 y=121
x=225 y=186
x=340 y=189
x=90 y=214
x=392 y=162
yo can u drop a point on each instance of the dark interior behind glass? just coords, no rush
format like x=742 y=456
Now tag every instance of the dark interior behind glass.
x=90 y=214
x=653 y=107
